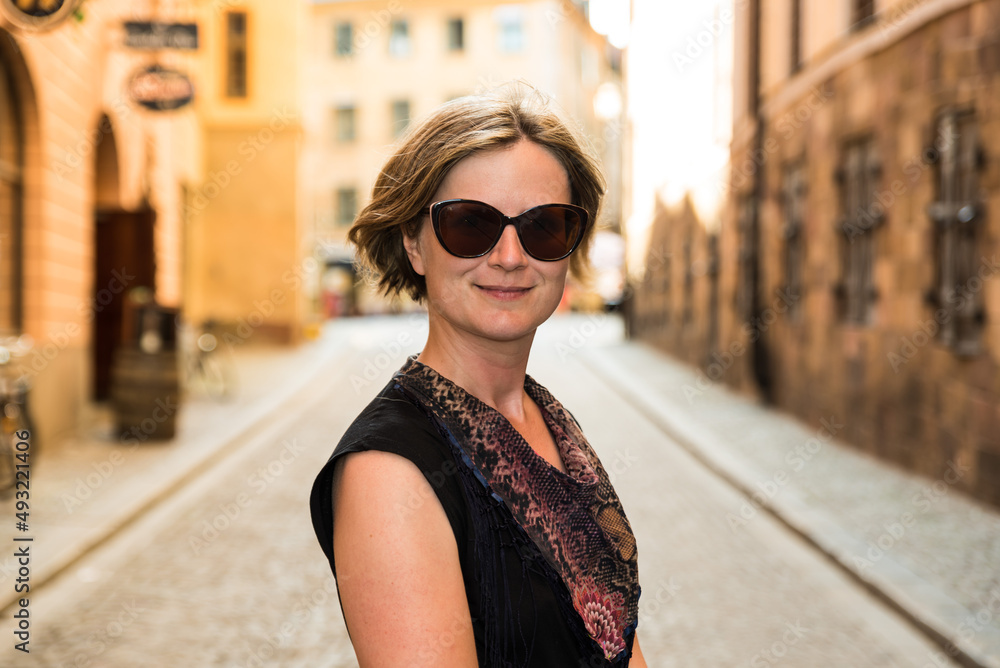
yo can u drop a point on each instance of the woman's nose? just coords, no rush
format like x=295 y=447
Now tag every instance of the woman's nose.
x=508 y=253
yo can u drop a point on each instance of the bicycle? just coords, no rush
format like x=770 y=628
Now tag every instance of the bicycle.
x=204 y=364
x=15 y=414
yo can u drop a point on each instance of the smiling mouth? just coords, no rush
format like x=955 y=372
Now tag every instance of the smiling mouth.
x=503 y=292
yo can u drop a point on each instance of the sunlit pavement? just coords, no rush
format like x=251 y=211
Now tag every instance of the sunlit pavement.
x=212 y=561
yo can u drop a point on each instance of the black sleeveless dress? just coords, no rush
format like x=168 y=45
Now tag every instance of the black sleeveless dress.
x=548 y=558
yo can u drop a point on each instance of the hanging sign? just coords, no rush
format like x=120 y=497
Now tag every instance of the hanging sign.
x=160 y=35
x=160 y=89
x=37 y=15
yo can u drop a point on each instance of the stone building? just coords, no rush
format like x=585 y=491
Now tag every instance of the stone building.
x=375 y=66
x=857 y=262
x=90 y=195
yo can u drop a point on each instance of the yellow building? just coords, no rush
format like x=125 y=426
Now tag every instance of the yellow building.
x=375 y=66
x=248 y=262
x=90 y=195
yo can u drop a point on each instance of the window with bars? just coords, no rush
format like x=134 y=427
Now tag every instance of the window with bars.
x=793 y=196
x=795 y=37
x=862 y=13
x=456 y=34
x=400 y=44
x=345 y=130
x=236 y=54
x=862 y=216
x=346 y=206
x=665 y=289
x=343 y=39
x=957 y=217
x=687 y=312
x=400 y=111
x=747 y=257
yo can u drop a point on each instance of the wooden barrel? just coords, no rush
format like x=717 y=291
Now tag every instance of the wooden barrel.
x=145 y=393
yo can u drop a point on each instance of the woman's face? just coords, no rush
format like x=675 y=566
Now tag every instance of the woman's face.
x=506 y=294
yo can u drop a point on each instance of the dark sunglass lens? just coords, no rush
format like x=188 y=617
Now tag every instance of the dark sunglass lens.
x=551 y=232
x=467 y=229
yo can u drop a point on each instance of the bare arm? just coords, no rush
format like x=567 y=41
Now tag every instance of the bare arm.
x=637 y=660
x=397 y=563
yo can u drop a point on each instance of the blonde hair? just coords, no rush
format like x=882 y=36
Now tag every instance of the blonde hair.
x=459 y=128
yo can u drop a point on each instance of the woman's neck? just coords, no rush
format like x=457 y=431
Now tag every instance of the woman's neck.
x=491 y=371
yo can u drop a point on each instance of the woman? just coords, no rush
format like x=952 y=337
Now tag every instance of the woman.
x=466 y=518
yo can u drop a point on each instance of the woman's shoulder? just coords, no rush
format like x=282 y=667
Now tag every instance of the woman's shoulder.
x=391 y=422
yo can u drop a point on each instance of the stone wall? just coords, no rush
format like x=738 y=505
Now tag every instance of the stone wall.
x=902 y=391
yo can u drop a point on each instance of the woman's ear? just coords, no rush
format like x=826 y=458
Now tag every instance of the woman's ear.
x=411 y=242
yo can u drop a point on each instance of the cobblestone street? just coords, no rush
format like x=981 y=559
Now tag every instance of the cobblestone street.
x=227 y=571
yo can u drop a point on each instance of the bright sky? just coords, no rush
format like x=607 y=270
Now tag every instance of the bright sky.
x=679 y=101
x=611 y=18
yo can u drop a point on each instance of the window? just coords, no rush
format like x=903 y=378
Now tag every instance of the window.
x=753 y=58
x=862 y=215
x=511 y=27
x=793 y=197
x=687 y=314
x=11 y=199
x=344 y=122
x=957 y=217
x=456 y=34
x=400 y=117
x=236 y=54
x=343 y=37
x=399 y=39
x=747 y=258
x=863 y=12
x=347 y=206
x=795 y=49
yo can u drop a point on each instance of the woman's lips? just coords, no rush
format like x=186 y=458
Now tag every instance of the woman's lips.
x=504 y=293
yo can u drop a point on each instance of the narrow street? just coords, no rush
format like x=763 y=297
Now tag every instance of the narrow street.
x=227 y=571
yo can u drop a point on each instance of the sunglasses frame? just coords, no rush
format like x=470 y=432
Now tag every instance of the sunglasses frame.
x=434 y=210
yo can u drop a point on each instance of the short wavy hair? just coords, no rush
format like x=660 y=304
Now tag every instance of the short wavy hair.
x=456 y=130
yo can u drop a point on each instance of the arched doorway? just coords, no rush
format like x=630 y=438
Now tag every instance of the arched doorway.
x=123 y=258
x=12 y=137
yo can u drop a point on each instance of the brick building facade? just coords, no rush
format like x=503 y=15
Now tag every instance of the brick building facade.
x=91 y=199
x=855 y=273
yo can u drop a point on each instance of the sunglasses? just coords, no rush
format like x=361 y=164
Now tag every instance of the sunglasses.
x=467 y=228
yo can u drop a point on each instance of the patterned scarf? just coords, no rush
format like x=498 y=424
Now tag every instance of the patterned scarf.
x=574 y=518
